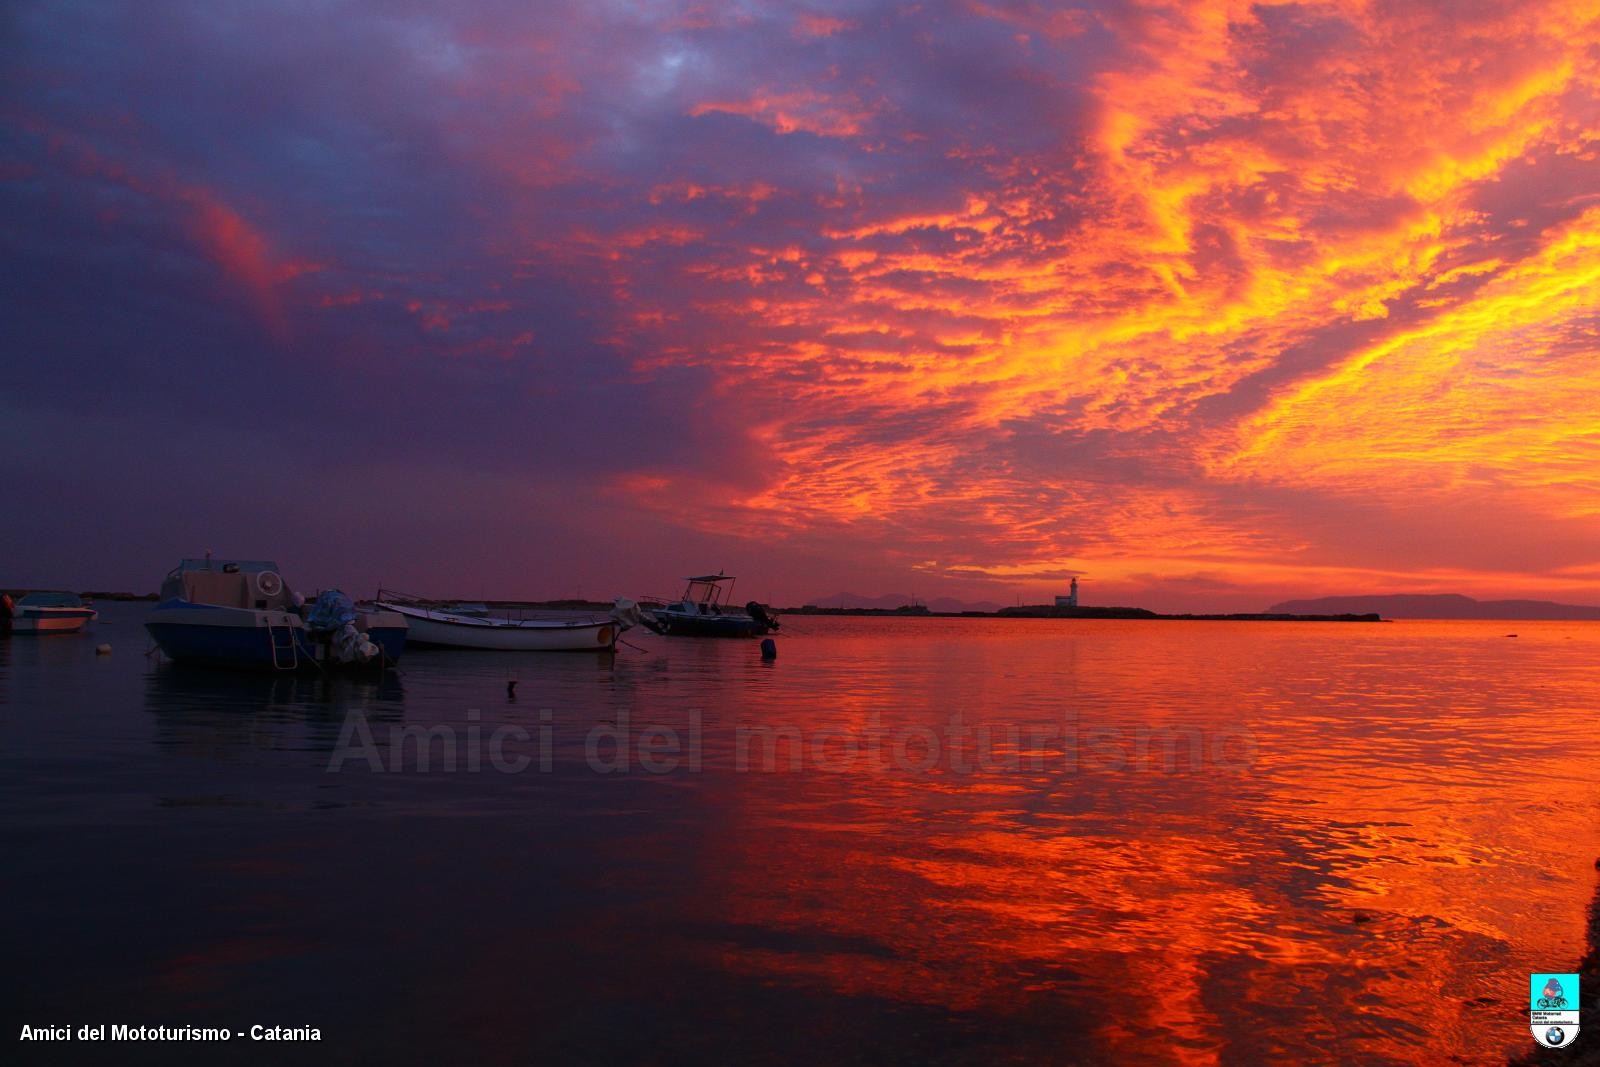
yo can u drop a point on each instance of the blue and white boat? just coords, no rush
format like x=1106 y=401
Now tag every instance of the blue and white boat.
x=47 y=613
x=241 y=613
x=703 y=611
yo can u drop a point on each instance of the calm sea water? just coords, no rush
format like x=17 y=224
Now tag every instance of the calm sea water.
x=904 y=840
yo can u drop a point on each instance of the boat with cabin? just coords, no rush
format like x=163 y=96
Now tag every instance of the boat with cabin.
x=703 y=611
x=47 y=612
x=241 y=613
x=452 y=624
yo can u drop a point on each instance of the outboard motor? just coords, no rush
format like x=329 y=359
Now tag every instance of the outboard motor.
x=350 y=645
x=334 y=615
x=761 y=615
x=625 y=613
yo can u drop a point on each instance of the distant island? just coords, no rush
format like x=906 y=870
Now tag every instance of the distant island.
x=892 y=602
x=1082 y=611
x=1437 y=606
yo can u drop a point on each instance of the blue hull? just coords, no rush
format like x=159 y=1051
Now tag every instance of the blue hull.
x=673 y=624
x=252 y=647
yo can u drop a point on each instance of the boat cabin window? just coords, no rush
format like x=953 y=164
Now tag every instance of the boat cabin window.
x=226 y=583
x=50 y=600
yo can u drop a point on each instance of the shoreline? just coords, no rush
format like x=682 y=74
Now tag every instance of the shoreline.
x=1026 y=611
x=1045 y=611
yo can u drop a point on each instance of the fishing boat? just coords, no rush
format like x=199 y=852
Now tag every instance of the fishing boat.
x=47 y=613
x=703 y=611
x=241 y=613
x=450 y=624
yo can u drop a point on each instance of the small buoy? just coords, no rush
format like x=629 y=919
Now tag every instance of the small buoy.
x=769 y=648
x=511 y=690
x=1511 y=635
x=102 y=650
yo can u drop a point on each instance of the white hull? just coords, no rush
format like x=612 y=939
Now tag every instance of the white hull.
x=45 y=621
x=447 y=630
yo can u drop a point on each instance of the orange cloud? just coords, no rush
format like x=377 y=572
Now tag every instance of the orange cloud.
x=218 y=231
x=1501 y=390
x=799 y=111
x=1277 y=270
x=811 y=25
x=244 y=253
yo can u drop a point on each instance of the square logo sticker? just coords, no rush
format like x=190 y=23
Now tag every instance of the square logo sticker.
x=1553 y=1009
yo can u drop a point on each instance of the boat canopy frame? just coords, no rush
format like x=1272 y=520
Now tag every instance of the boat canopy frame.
x=707 y=590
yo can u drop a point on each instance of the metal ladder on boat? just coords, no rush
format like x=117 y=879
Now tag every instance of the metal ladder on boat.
x=291 y=650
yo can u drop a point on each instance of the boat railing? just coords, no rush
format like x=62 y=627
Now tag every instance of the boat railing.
x=394 y=596
x=442 y=608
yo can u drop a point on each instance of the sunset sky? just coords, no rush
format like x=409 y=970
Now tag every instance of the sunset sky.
x=1214 y=303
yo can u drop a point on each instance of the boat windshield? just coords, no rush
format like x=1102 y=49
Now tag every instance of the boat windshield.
x=229 y=583
x=50 y=600
x=707 y=591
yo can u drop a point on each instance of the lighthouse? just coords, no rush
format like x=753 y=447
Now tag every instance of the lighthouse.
x=1071 y=599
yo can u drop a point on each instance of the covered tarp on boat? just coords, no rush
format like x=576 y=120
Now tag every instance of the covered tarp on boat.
x=331 y=611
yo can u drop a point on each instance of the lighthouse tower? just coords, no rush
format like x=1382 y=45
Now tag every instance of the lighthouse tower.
x=1071 y=599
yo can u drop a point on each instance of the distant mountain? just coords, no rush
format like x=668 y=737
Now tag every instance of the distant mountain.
x=890 y=601
x=1437 y=606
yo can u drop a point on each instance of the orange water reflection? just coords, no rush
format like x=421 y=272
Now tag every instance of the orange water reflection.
x=1408 y=833
x=1412 y=837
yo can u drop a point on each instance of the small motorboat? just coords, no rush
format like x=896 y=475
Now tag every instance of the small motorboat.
x=47 y=613
x=702 y=612
x=241 y=613
x=450 y=624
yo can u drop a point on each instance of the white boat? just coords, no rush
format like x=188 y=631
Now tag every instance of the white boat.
x=48 y=613
x=702 y=611
x=454 y=625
